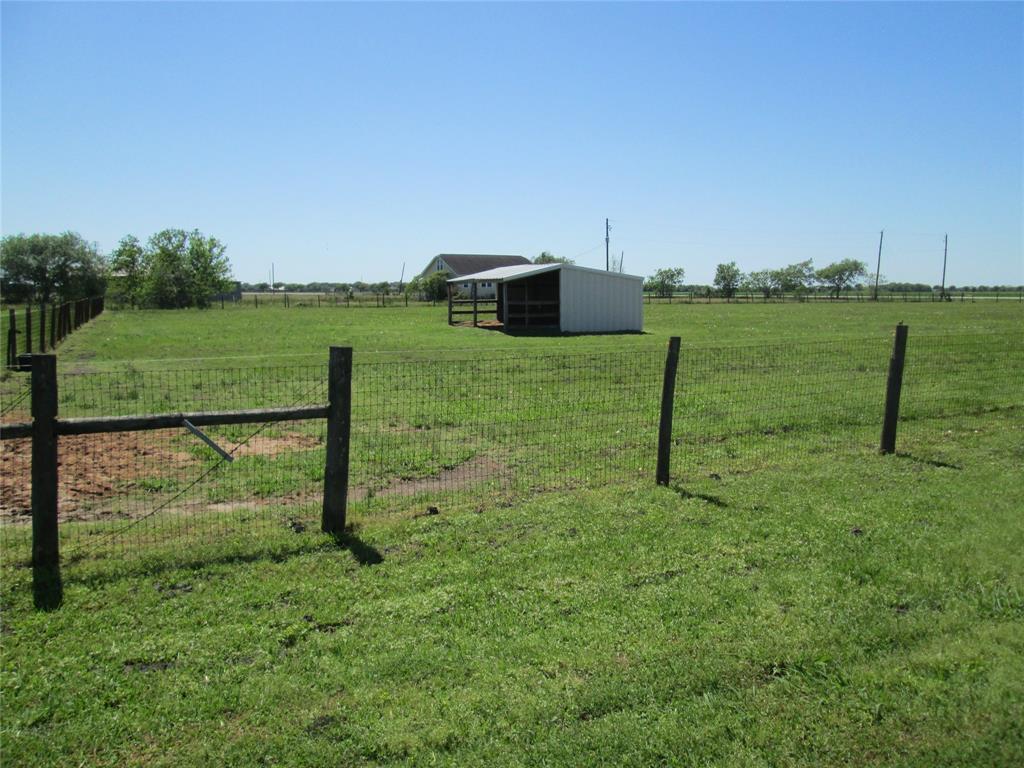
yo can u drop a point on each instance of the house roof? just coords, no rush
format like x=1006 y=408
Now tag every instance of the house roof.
x=465 y=263
x=515 y=272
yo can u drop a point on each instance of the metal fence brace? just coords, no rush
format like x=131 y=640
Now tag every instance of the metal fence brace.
x=206 y=439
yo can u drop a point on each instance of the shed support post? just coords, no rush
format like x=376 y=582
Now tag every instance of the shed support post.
x=668 y=390
x=893 y=386
x=46 y=582
x=339 y=423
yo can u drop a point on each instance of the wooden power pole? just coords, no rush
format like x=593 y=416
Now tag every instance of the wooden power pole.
x=878 y=266
x=607 y=230
x=945 y=251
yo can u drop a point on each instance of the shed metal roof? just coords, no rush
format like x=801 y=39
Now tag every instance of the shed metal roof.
x=503 y=274
x=463 y=263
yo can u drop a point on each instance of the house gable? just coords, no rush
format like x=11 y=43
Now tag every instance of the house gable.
x=468 y=263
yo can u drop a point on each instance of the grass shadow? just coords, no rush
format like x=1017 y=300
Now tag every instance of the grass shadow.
x=705 y=497
x=365 y=554
x=929 y=462
x=84 y=570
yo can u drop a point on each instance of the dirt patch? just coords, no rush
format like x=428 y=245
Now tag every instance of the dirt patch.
x=475 y=470
x=262 y=445
x=95 y=470
x=90 y=468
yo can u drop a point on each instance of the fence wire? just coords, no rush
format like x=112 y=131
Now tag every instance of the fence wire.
x=475 y=432
x=126 y=491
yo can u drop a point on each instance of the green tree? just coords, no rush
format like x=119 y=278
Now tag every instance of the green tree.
x=166 y=284
x=796 y=278
x=727 y=279
x=433 y=287
x=208 y=268
x=547 y=257
x=842 y=274
x=760 y=281
x=183 y=269
x=43 y=267
x=127 y=270
x=665 y=282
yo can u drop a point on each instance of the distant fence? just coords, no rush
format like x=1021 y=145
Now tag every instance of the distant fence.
x=39 y=328
x=150 y=460
x=819 y=297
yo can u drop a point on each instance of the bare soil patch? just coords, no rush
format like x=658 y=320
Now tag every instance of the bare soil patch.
x=262 y=445
x=90 y=468
x=475 y=470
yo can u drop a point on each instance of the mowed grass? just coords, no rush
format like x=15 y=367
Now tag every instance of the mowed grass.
x=866 y=610
x=244 y=336
x=784 y=606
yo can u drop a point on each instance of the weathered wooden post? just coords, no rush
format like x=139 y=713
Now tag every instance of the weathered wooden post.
x=339 y=423
x=449 y=287
x=53 y=326
x=668 y=391
x=28 y=329
x=474 y=304
x=893 y=386
x=42 y=327
x=46 y=582
x=12 y=338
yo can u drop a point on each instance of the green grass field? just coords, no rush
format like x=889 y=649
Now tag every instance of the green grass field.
x=793 y=598
x=250 y=336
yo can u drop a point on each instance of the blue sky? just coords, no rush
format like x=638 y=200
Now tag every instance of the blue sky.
x=340 y=140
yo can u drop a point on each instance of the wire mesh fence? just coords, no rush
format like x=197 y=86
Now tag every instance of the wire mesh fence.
x=41 y=327
x=473 y=432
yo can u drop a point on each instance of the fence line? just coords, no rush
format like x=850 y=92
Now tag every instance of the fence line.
x=471 y=431
x=43 y=327
x=711 y=296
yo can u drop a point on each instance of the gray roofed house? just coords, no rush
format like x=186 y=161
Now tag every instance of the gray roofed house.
x=459 y=264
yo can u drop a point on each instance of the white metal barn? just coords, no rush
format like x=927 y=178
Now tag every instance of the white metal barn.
x=560 y=297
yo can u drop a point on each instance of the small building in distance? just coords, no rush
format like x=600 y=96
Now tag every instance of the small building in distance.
x=459 y=264
x=558 y=297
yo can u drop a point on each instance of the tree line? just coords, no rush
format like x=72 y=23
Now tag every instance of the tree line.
x=175 y=268
x=51 y=268
x=797 y=278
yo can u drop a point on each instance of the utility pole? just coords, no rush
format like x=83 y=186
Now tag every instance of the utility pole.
x=622 y=258
x=878 y=267
x=607 y=229
x=945 y=251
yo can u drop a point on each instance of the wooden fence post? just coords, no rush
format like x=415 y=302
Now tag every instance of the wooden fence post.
x=668 y=391
x=893 y=386
x=53 y=326
x=42 y=327
x=339 y=423
x=28 y=329
x=12 y=338
x=46 y=583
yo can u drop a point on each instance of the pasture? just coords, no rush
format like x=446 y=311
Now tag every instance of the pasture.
x=791 y=598
x=214 y=338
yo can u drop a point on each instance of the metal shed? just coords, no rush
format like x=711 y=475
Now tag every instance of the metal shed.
x=560 y=297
